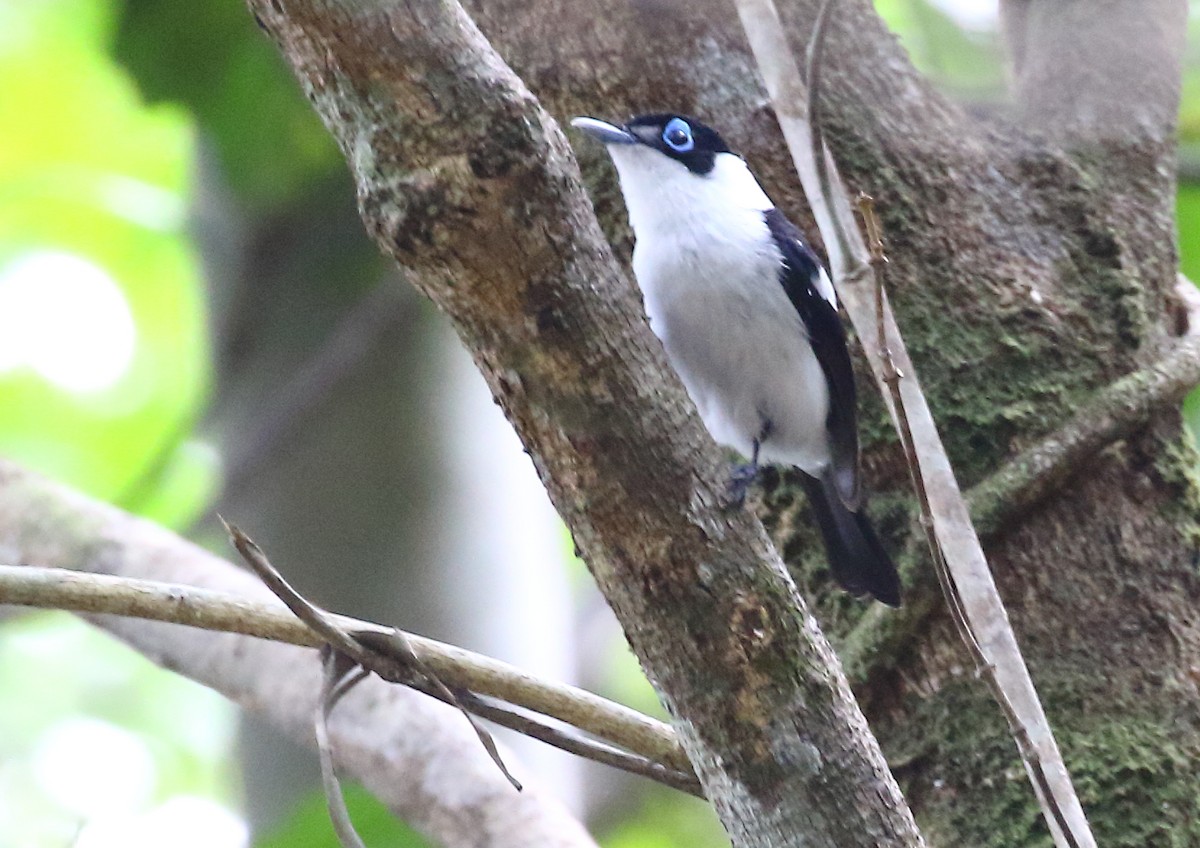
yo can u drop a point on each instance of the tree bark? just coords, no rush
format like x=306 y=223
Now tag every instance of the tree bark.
x=468 y=183
x=1063 y=88
x=1032 y=265
x=332 y=380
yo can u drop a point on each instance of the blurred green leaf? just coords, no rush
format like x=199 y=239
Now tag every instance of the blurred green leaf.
x=1188 y=222
x=1191 y=413
x=625 y=682
x=93 y=189
x=897 y=14
x=666 y=819
x=176 y=491
x=186 y=730
x=969 y=64
x=1187 y=210
x=1189 y=111
x=210 y=57
x=309 y=827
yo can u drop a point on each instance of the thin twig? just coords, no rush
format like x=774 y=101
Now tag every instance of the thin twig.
x=599 y=751
x=390 y=655
x=339 y=676
x=573 y=743
x=315 y=618
x=891 y=379
x=823 y=159
x=347 y=683
x=1034 y=474
x=618 y=726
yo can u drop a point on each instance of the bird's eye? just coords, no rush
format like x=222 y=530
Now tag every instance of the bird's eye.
x=678 y=135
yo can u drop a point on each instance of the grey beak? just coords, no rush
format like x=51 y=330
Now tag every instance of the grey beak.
x=603 y=131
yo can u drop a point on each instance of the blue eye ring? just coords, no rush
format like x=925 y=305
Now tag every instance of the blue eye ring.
x=677 y=135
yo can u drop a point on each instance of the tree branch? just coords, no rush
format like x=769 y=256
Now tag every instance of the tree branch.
x=55 y=588
x=341 y=676
x=1026 y=280
x=1063 y=92
x=408 y=750
x=1036 y=473
x=1114 y=413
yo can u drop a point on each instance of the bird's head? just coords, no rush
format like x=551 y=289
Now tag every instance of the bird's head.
x=673 y=166
x=651 y=138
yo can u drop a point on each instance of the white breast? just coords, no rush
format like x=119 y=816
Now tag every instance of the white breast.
x=708 y=269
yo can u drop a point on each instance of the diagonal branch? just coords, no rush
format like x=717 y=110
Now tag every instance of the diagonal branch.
x=341 y=675
x=390 y=655
x=1116 y=412
x=1034 y=474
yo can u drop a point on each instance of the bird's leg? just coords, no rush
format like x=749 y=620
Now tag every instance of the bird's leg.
x=742 y=477
x=745 y=475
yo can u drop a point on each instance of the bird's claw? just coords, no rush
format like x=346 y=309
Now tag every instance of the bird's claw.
x=740 y=481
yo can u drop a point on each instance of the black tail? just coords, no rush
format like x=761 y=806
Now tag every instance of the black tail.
x=858 y=561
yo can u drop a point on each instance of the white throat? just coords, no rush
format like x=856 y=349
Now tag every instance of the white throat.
x=662 y=195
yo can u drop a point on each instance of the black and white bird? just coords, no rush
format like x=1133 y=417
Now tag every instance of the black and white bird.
x=749 y=319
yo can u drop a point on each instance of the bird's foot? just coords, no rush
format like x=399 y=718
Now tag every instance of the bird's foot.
x=740 y=481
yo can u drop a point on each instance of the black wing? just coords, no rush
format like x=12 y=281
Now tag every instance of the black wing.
x=799 y=275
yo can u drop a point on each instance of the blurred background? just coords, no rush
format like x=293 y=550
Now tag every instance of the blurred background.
x=192 y=320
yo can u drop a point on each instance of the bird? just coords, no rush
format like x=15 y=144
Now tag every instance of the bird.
x=749 y=319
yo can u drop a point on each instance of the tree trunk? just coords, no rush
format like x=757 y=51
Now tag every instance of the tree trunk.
x=334 y=383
